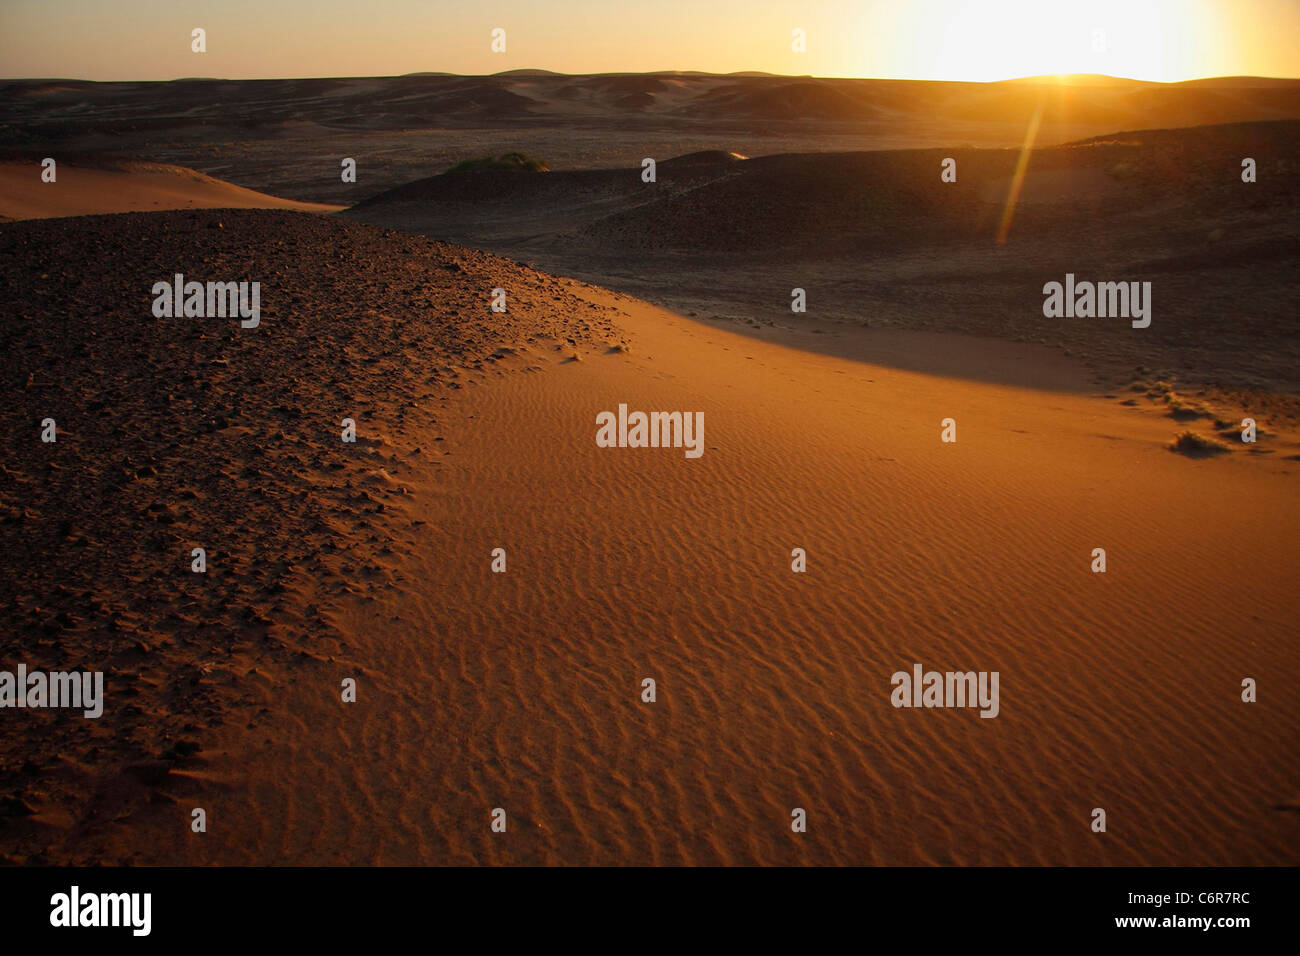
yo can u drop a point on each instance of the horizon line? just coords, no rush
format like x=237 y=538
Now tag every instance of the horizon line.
x=1062 y=78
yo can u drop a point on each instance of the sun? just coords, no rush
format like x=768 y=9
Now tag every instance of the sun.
x=1158 y=40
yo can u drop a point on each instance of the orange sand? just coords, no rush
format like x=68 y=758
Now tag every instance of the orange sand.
x=521 y=690
x=130 y=187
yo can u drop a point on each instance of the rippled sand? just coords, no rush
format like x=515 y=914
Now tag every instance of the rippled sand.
x=521 y=690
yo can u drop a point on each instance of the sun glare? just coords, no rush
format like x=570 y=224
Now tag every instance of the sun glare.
x=1160 y=40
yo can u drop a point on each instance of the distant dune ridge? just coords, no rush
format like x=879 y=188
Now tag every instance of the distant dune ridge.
x=413 y=99
x=286 y=137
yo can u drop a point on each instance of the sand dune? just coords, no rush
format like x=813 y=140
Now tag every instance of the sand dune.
x=521 y=690
x=286 y=137
x=859 y=202
x=407 y=101
x=183 y=433
x=876 y=239
x=123 y=186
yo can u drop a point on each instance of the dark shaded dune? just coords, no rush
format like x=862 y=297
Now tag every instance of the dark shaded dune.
x=703 y=157
x=628 y=84
x=1202 y=165
x=812 y=99
x=1246 y=253
x=440 y=99
x=620 y=93
x=499 y=185
x=1113 y=189
x=1276 y=135
x=770 y=201
x=193 y=432
x=553 y=192
x=545 y=210
x=1188 y=105
x=408 y=101
x=818 y=202
x=840 y=202
x=906 y=96
x=1059 y=105
x=886 y=242
x=1280 y=99
x=710 y=199
x=486 y=98
x=635 y=101
x=1197 y=107
x=211 y=93
x=571 y=91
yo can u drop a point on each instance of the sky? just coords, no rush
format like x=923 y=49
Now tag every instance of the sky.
x=979 y=40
